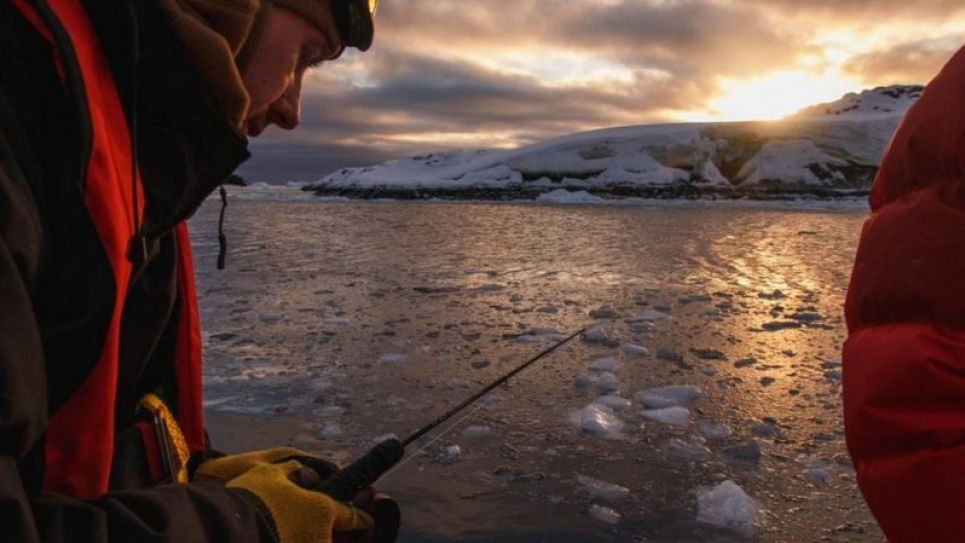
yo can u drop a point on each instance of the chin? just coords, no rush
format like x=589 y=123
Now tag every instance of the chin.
x=252 y=129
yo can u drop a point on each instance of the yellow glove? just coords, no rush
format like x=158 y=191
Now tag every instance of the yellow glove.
x=226 y=468
x=300 y=515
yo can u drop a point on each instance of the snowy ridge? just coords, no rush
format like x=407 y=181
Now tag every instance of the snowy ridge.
x=827 y=150
x=894 y=100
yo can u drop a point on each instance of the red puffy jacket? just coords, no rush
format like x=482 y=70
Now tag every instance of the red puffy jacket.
x=904 y=360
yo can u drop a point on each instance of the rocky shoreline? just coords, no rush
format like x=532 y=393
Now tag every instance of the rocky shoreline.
x=777 y=192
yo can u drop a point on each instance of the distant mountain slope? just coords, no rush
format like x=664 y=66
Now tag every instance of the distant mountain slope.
x=894 y=100
x=827 y=150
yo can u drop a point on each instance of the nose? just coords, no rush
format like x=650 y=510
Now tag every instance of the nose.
x=286 y=110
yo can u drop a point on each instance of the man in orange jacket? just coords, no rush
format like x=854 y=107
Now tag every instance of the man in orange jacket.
x=117 y=119
x=904 y=360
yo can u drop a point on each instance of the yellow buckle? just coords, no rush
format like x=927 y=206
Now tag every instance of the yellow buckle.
x=170 y=441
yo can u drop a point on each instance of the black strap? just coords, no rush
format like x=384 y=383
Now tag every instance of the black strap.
x=222 y=239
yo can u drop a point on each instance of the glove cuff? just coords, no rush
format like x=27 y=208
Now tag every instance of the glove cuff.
x=261 y=510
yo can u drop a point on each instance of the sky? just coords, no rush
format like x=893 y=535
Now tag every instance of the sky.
x=459 y=74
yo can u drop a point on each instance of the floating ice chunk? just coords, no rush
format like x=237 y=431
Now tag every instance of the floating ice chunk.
x=605 y=364
x=586 y=381
x=491 y=401
x=613 y=402
x=708 y=354
x=603 y=490
x=713 y=431
x=604 y=514
x=677 y=395
x=775 y=295
x=563 y=196
x=651 y=315
x=320 y=385
x=598 y=420
x=476 y=432
x=833 y=375
x=669 y=415
x=481 y=477
x=331 y=411
x=596 y=335
x=608 y=383
x=269 y=318
x=727 y=506
x=678 y=448
x=670 y=355
x=332 y=430
x=694 y=298
x=395 y=401
x=635 y=351
x=818 y=476
x=450 y=454
x=750 y=450
x=488 y=287
x=641 y=326
x=605 y=312
x=391 y=358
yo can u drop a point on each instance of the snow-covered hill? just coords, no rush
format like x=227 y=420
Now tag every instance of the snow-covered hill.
x=895 y=100
x=827 y=149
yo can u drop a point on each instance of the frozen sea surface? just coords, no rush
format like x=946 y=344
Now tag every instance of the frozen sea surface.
x=338 y=322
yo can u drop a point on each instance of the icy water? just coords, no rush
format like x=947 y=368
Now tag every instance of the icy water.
x=336 y=323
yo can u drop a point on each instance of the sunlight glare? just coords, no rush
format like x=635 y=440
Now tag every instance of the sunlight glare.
x=773 y=96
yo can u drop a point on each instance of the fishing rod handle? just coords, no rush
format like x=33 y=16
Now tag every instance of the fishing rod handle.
x=363 y=472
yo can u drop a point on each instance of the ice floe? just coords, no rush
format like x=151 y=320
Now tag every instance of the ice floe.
x=651 y=315
x=604 y=514
x=613 y=402
x=668 y=415
x=563 y=196
x=608 y=382
x=602 y=490
x=389 y=359
x=596 y=335
x=605 y=364
x=669 y=396
x=635 y=351
x=598 y=420
x=727 y=506
x=713 y=431
x=476 y=432
x=687 y=450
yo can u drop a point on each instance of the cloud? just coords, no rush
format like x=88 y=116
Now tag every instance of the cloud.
x=912 y=62
x=451 y=73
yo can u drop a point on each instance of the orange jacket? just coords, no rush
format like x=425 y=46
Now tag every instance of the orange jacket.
x=904 y=359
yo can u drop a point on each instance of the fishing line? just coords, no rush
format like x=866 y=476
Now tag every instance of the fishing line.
x=388 y=456
x=469 y=401
x=432 y=441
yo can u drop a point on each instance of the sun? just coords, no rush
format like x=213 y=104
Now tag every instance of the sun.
x=773 y=96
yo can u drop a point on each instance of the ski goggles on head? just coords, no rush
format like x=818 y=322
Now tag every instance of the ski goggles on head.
x=355 y=20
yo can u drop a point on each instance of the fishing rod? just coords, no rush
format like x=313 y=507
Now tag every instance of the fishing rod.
x=369 y=468
x=472 y=399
